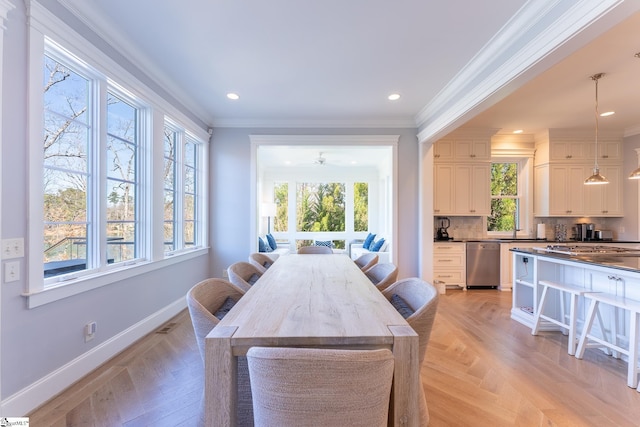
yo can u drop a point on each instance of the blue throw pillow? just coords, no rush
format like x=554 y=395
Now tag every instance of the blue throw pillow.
x=261 y=245
x=326 y=243
x=368 y=241
x=377 y=245
x=272 y=242
x=224 y=309
x=401 y=305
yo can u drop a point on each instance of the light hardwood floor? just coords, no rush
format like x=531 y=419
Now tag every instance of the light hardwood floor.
x=481 y=369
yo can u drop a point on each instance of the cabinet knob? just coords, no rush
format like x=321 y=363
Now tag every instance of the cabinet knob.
x=436 y=155
x=604 y=156
x=568 y=156
x=472 y=155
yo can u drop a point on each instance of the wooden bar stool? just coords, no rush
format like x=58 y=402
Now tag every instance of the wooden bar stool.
x=633 y=307
x=571 y=324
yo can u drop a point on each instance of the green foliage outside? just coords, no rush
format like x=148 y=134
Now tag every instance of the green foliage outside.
x=320 y=207
x=281 y=196
x=504 y=197
x=360 y=206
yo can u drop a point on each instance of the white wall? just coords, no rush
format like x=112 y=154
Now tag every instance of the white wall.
x=43 y=348
x=231 y=202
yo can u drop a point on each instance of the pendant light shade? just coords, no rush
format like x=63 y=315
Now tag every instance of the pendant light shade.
x=596 y=178
x=635 y=174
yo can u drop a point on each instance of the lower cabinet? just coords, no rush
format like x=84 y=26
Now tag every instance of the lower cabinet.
x=449 y=264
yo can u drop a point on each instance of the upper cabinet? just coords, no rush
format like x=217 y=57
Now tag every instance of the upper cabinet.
x=564 y=159
x=462 y=174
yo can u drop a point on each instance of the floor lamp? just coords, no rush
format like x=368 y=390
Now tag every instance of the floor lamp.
x=269 y=209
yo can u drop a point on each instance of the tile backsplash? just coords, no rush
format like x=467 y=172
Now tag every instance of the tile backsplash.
x=473 y=227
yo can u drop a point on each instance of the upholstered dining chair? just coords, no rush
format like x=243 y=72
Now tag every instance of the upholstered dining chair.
x=315 y=250
x=382 y=274
x=208 y=302
x=243 y=274
x=366 y=261
x=261 y=261
x=305 y=387
x=417 y=301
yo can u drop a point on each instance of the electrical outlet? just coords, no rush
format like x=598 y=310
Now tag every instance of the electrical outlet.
x=90 y=331
x=12 y=248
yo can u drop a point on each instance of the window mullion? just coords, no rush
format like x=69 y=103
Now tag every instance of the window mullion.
x=98 y=193
x=179 y=191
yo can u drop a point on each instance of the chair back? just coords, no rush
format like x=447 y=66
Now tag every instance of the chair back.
x=366 y=261
x=422 y=298
x=243 y=274
x=203 y=300
x=382 y=274
x=320 y=387
x=315 y=250
x=261 y=261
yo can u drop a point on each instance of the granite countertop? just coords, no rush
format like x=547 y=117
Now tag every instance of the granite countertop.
x=628 y=262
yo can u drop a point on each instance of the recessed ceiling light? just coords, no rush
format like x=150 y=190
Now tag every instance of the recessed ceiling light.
x=233 y=96
x=518 y=131
x=394 y=97
x=353 y=162
x=607 y=113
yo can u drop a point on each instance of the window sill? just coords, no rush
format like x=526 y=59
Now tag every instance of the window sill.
x=87 y=283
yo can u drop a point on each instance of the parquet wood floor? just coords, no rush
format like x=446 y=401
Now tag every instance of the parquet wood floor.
x=481 y=369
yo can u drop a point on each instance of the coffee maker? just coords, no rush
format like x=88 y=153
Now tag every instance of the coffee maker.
x=584 y=231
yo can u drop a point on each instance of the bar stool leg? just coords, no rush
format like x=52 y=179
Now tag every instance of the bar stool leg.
x=588 y=322
x=573 y=342
x=536 y=320
x=632 y=377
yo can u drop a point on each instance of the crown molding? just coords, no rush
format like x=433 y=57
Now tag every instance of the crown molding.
x=5 y=7
x=325 y=139
x=394 y=123
x=533 y=33
x=635 y=130
x=100 y=26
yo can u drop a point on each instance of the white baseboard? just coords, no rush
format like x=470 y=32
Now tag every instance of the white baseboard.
x=29 y=398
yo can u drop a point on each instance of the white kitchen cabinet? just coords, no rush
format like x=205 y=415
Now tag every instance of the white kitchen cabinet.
x=443 y=150
x=443 y=188
x=559 y=190
x=568 y=151
x=473 y=149
x=462 y=189
x=605 y=200
x=608 y=150
x=449 y=264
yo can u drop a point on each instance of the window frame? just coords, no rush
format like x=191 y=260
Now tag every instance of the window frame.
x=525 y=197
x=49 y=33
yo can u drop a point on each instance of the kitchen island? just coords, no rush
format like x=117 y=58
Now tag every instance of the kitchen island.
x=612 y=271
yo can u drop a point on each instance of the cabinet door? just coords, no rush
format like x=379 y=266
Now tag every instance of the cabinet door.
x=566 y=192
x=473 y=149
x=607 y=150
x=443 y=189
x=481 y=190
x=472 y=189
x=443 y=150
x=606 y=199
x=566 y=151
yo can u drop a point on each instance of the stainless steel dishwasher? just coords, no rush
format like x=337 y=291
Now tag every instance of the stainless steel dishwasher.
x=483 y=264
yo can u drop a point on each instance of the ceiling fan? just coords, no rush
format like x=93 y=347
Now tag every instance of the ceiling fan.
x=320 y=160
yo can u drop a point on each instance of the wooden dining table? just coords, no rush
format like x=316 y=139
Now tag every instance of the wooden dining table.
x=315 y=301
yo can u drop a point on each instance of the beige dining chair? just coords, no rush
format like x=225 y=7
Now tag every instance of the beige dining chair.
x=382 y=274
x=243 y=274
x=261 y=261
x=417 y=301
x=309 y=387
x=366 y=261
x=207 y=303
x=315 y=250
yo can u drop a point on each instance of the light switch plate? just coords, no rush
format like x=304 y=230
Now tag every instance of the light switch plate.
x=12 y=248
x=11 y=271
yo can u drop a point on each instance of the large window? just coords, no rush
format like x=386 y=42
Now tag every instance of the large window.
x=89 y=222
x=97 y=174
x=360 y=206
x=320 y=207
x=182 y=193
x=505 y=198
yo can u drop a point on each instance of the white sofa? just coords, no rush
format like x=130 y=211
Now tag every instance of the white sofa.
x=383 y=255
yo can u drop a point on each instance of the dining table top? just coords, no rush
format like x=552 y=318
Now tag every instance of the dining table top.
x=311 y=299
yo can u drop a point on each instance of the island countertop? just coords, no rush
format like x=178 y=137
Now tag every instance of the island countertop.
x=627 y=262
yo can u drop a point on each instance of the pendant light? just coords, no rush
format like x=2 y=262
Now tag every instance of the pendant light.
x=596 y=178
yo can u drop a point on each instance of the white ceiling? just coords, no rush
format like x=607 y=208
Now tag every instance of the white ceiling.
x=334 y=62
